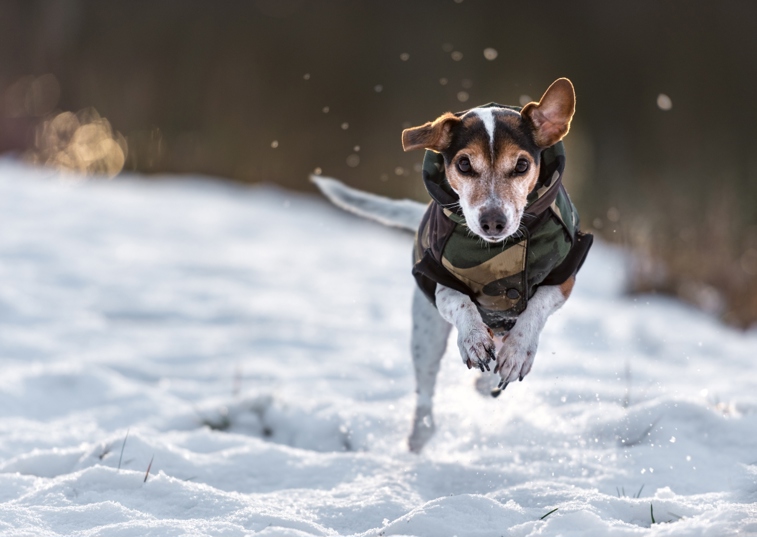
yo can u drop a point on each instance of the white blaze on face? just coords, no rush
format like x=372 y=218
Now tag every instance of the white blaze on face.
x=487 y=116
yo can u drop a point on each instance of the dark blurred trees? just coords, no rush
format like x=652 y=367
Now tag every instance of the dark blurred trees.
x=212 y=87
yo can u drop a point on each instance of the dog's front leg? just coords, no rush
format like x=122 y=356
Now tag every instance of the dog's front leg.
x=474 y=338
x=517 y=354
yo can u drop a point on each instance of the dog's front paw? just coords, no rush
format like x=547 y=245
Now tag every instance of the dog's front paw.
x=477 y=347
x=515 y=358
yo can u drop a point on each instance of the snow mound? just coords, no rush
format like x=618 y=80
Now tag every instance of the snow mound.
x=184 y=357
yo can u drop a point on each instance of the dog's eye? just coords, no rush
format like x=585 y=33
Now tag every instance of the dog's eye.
x=521 y=166
x=464 y=165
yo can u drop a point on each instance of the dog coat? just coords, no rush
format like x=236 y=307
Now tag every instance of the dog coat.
x=499 y=278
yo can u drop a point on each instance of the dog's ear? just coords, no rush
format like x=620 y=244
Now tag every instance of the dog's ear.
x=435 y=135
x=551 y=116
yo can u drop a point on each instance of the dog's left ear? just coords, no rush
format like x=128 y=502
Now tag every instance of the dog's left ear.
x=551 y=116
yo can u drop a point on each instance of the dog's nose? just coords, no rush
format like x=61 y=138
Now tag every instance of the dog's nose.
x=493 y=222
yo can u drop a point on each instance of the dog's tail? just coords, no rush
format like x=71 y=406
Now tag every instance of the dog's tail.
x=405 y=214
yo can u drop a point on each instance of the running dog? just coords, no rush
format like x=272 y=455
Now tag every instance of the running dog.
x=497 y=249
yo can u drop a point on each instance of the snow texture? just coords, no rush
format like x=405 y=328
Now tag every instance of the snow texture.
x=253 y=343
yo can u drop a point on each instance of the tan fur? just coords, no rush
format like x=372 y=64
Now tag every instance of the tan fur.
x=566 y=288
x=434 y=135
x=552 y=115
x=490 y=178
x=516 y=187
x=478 y=154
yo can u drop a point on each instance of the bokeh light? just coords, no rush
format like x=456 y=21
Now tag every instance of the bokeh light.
x=32 y=96
x=83 y=142
x=664 y=102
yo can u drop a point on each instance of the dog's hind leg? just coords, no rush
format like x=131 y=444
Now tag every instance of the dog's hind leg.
x=428 y=343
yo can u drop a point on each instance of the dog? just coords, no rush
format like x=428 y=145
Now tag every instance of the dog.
x=497 y=250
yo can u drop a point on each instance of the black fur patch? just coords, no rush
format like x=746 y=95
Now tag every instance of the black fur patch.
x=472 y=129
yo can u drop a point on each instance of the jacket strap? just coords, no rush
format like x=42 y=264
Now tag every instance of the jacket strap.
x=552 y=171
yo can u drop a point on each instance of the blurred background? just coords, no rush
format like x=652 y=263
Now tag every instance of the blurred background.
x=662 y=155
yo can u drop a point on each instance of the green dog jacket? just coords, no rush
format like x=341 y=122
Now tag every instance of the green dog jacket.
x=499 y=278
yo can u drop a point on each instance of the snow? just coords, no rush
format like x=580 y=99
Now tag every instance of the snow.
x=253 y=342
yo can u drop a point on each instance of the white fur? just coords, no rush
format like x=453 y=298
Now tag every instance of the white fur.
x=405 y=214
x=473 y=213
x=428 y=343
x=487 y=116
x=474 y=338
x=516 y=350
x=516 y=357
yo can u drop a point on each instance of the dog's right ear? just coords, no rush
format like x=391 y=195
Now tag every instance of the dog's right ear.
x=435 y=135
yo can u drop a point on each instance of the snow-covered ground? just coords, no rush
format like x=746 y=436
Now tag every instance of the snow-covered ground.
x=252 y=344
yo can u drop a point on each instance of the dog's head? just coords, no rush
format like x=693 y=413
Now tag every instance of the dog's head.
x=492 y=156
